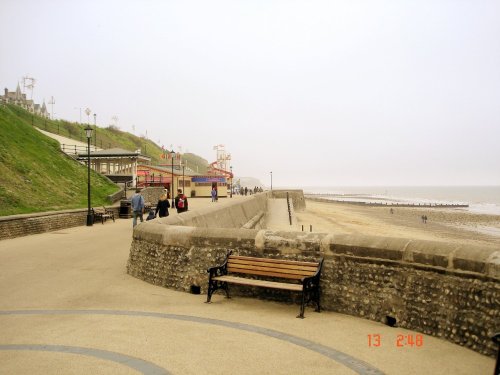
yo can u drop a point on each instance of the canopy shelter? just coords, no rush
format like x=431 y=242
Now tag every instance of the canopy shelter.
x=118 y=164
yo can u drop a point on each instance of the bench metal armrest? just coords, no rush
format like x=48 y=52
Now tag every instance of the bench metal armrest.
x=313 y=281
x=219 y=270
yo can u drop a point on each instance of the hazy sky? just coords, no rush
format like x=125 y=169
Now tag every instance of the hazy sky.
x=319 y=92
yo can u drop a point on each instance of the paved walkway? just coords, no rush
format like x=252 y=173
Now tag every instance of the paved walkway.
x=67 y=305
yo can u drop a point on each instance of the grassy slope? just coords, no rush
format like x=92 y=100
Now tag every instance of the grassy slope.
x=35 y=175
x=106 y=138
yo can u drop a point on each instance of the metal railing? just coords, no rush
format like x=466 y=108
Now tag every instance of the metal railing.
x=76 y=149
x=289 y=208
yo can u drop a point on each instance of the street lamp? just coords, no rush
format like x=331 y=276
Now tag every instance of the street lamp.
x=172 y=154
x=183 y=182
x=271 y=180
x=90 y=217
x=95 y=127
x=231 y=184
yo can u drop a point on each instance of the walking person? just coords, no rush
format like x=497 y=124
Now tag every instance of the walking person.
x=137 y=202
x=214 y=194
x=181 y=202
x=162 y=206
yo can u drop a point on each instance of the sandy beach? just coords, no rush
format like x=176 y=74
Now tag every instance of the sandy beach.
x=443 y=224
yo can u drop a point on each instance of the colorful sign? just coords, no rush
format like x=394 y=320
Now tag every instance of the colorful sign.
x=208 y=179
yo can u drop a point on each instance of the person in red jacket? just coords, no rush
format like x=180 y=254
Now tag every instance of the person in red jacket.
x=181 y=202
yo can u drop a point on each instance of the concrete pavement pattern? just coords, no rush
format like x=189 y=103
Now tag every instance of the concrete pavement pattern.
x=68 y=306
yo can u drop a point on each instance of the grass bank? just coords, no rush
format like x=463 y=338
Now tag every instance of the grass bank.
x=35 y=175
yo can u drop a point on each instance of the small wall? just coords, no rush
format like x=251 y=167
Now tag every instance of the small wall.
x=116 y=196
x=152 y=194
x=24 y=225
x=441 y=289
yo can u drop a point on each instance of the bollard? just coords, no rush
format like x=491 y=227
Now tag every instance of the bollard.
x=302 y=227
x=310 y=228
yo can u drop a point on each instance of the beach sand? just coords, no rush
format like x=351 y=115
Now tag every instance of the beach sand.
x=443 y=224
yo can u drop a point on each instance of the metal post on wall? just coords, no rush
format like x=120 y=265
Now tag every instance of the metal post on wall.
x=95 y=127
x=90 y=218
x=231 y=185
x=172 y=154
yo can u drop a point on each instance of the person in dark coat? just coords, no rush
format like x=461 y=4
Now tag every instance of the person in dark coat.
x=181 y=202
x=163 y=206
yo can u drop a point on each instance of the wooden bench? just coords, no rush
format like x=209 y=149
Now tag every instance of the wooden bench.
x=289 y=275
x=103 y=214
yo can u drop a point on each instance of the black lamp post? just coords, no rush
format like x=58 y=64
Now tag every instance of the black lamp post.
x=231 y=184
x=172 y=154
x=95 y=127
x=271 y=180
x=183 y=182
x=90 y=217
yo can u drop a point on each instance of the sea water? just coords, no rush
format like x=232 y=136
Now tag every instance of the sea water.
x=481 y=199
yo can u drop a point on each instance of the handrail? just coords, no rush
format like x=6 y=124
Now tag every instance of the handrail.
x=289 y=209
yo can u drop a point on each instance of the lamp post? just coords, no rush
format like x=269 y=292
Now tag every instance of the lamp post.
x=95 y=127
x=172 y=154
x=183 y=182
x=90 y=217
x=271 y=180
x=231 y=185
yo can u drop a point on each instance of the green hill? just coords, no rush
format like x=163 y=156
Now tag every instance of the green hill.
x=108 y=137
x=35 y=175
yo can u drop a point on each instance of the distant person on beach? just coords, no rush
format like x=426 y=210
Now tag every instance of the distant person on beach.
x=137 y=202
x=425 y=219
x=162 y=206
x=214 y=194
x=181 y=202
x=246 y=190
x=391 y=211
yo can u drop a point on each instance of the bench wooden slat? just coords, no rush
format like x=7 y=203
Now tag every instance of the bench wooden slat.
x=259 y=283
x=243 y=263
x=250 y=268
x=269 y=260
x=265 y=273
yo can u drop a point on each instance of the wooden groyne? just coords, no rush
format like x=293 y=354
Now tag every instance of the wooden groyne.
x=391 y=204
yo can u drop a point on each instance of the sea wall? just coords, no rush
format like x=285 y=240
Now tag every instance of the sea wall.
x=248 y=213
x=295 y=196
x=445 y=290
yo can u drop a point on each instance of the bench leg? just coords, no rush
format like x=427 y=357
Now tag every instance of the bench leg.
x=226 y=288
x=301 y=314
x=212 y=287
x=317 y=297
x=215 y=285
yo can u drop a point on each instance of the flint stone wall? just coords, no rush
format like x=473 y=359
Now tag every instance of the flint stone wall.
x=23 y=225
x=26 y=224
x=445 y=290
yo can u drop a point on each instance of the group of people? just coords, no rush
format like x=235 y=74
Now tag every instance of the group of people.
x=138 y=206
x=245 y=190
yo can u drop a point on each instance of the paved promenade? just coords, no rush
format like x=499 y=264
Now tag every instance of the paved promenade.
x=67 y=305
